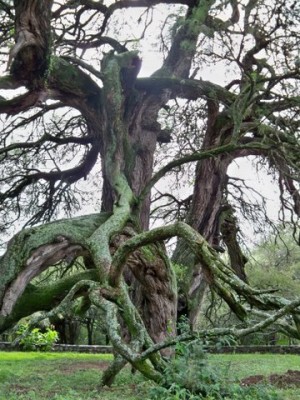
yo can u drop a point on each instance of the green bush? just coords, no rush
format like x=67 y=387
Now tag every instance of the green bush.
x=190 y=377
x=35 y=340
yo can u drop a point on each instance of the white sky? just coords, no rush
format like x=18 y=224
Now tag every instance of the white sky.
x=152 y=60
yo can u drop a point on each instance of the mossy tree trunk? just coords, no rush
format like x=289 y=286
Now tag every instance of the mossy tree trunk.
x=204 y=214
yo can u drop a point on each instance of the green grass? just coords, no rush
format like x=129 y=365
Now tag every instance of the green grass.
x=244 y=365
x=70 y=376
x=61 y=376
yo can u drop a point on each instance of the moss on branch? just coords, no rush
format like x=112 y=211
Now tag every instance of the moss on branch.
x=123 y=349
x=43 y=297
x=208 y=258
x=218 y=332
x=68 y=78
x=28 y=242
x=98 y=243
x=187 y=88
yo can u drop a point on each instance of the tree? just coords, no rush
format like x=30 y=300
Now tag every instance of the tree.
x=73 y=67
x=273 y=265
x=276 y=265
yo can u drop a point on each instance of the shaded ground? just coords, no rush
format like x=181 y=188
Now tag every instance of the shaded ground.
x=289 y=379
x=83 y=366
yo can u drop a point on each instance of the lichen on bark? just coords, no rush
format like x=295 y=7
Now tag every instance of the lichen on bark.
x=40 y=244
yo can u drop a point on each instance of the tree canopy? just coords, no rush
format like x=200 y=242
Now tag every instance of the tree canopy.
x=84 y=125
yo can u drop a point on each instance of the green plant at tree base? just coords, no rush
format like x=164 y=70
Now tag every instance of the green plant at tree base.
x=35 y=340
x=190 y=377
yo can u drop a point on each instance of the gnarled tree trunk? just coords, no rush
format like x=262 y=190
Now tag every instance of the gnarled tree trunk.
x=204 y=214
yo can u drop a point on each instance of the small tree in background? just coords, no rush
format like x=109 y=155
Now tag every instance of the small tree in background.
x=34 y=339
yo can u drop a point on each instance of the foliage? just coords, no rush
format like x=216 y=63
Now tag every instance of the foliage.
x=73 y=376
x=275 y=264
x=64 y=376
x=34 y=339
x=180 y=271
x=191 y=376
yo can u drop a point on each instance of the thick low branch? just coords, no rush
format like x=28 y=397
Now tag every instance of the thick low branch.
x=217 y=332
x=32 y=250
x=129 y=353
x=43 y=298
x=186 y=88
x=282 y=324
x=208 y=258
x=39 y=260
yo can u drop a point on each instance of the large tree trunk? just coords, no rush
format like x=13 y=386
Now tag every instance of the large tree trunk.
x=152 y=287
x=30 y=56
x=130 y=148
x=204 y=214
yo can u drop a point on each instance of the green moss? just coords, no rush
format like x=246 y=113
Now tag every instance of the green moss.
x=77 y=230
x=148 y=253
x=188 y=46
x=180 y=271
x=170 y=269
x=112 y=85
x=111 y=69
x=44 y=297
x=69 y=78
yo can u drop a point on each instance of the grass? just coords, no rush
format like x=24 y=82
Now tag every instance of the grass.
x=70 y=376
x=244 y=365
x=61 y=376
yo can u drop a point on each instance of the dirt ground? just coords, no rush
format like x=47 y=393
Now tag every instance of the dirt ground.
x=82 y=366
x=289 y=379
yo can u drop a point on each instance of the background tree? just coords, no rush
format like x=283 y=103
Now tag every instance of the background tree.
x=78 y=106
x=273 y=265
x=276 y=265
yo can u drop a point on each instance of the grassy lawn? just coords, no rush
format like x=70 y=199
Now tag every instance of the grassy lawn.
x=70 y=376
x=244 y=365
x=61 y=376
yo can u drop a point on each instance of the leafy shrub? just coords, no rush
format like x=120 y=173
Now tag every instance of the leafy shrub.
x=35 y=340
x=190 y=377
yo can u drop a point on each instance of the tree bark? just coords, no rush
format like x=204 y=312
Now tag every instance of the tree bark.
x=30 y=56
x=204 y=214
x=229 y=231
